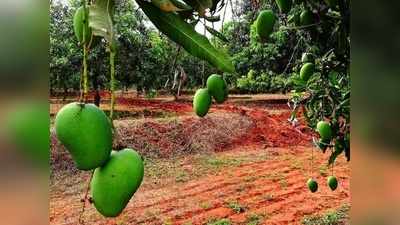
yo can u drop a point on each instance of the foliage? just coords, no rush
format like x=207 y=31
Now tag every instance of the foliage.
x=337 y=217
x=219 y=222
x=274 y=65
x=143 y=59
x=326 y=95
x=184 y=34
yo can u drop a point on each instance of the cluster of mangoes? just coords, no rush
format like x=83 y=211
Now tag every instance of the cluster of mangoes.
x=313 y=185
x=86 y=132
x=325 y=132
x=216 y=88
x=266 y=19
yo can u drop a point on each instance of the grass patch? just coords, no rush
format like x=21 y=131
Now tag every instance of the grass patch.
x=337 y=217
x=236 y=207
x=219 y=162
x=205 y=205
x=159 y=169
x=219 y=222
x=254 y=219
x=182 y=177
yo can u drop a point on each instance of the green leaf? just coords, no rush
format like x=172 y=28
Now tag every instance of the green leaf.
x=184 y=34
x=217 y=34
x=100 y=19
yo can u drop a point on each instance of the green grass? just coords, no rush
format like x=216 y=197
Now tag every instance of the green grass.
x=159 y=169
x=219 y=222
x=337 y=217
x=254 y=219
x=236 y=207
x=219 y=162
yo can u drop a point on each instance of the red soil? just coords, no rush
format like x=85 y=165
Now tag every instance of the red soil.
x=273 y=188
x=272 y=130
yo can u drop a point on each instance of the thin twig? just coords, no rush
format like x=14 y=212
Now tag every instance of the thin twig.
x=85 y=198
x=291 y=58
x=223 y=18
x=300 y=27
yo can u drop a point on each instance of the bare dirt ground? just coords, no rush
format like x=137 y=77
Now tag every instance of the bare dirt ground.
x=241 y=164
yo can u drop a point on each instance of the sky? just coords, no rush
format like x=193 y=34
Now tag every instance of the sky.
x=199 y=27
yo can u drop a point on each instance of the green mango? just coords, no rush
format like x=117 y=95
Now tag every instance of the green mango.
x=86 y=132
x=217 y=87
x=284 y=5
x=265 y=23
x=306 y=18
x=325 y=131
x=306 y=71
x=312 y=185
x=332 y=182
x=114 y=184
x=80 y=23
x=202 y=102
x=307 y=58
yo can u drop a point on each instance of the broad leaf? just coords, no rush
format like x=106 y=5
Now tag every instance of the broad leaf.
x=217 y=34
x=184 y=34
x=100 y=19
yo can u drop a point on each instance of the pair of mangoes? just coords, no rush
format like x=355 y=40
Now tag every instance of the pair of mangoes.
x=313 y=185
x=216 y=88
x=86 y=132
